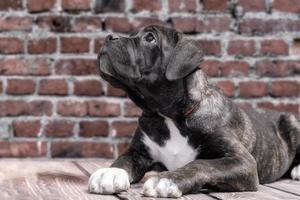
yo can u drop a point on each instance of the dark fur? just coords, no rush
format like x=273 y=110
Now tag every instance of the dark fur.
x=239 y=148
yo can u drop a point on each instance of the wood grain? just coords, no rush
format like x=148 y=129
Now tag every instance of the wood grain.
x=287 y=185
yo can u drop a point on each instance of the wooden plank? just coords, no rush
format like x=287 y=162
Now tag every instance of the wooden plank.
x=52 y=180
x=287 y=185
x=264 y=192
x=135 y=191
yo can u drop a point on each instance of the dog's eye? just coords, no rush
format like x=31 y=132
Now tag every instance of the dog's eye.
x=150 y=38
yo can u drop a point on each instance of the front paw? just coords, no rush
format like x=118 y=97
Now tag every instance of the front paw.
x=296 y=173
x=161 y=187
x=108 y=181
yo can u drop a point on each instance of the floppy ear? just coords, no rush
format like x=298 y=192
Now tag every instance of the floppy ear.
x=185 y=58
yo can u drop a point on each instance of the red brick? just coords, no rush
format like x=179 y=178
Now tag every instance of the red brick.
x=211 y=67
x=39 y=108
x=1 y=87
x=285 y=89
x=235 y=68
x=275 y=68
x=15 y=24
x=274 y=47
x=59 y=128
x=123 y=128
x=93 y=128
x=72 y=108
x=11 y=46
x=75 y=5
x=15 y=66
x=282 y=107
x=217 y=24
x=215 y=5
x=227 y=87
x=182 y=5
x=40 y=6
x=26 y=128
x=253 y=5
x=118 y=24
x=187 y=24
x=295 y=48
x=110 y=6
x=99 y=42
x=88 y=88
x=11 y=4
x=140 y=22
x=131 y=110
x=241 y=47
x=81 y=149
x=74 y=45
x=122 y=147
x=140 y=5
x=23 y=148
x=40 y=46
x=292 y=6
x=210 y=47
x=76 y=67
x=53 y=87
x=116 y=92
x=253 y=89
x=103 y=109
x=20 y=86
x=60 y=24
x=87 y=24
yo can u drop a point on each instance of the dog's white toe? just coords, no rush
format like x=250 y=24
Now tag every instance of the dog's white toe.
x=155 y=187
x=108 y=181
x=296 y=173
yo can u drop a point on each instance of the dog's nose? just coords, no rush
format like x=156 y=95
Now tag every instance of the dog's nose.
x=112 y=37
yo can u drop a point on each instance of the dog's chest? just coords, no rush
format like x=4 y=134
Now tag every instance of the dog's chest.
x=176 y=152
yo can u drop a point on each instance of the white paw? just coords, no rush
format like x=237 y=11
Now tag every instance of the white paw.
x=108 y=181
x=296 y=173
x=155 y=187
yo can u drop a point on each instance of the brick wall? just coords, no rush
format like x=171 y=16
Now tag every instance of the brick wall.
x=53 y=104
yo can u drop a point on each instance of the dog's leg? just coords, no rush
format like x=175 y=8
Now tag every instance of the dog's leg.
x=128 y=168
x=237 y=171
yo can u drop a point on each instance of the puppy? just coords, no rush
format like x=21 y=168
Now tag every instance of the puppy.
x=196 y=136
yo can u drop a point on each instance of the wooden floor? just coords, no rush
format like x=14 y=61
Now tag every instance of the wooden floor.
x=67 y=179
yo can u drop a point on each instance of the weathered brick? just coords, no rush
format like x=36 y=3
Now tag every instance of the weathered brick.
x=1 y=87
x=182 y=5
x=99 y=42
x=40 y=46
x=76 y=5
x=235 y=68
x=241 y=47
x=187 y=24
x=253 y=89
x=211 y=67
x=140 y=5
x=93 y=128
x=11 y=46
x=285 y=88
x=282 y=107
x=140 y=22
x=227 y=87
x=87 y=24
x=12 y=23
x=123 y=128
x=118 y=24
x=23 y=148
x=26 y=128
x=253 y=5
x=131 y=110
x=215 y=5
x=59 y=128
x=74 y=45
x=103 y=6
x=274 y=47
x=217 y=24
x=18 y=108
x=291 y=6
x=295 y=48
x=103 y=109
x=39 y=108
x=116 y=92
x=40 y=6
x=210 y=47
x=76 y=67
x=53 y=87
x=274 y=68
x=54 y=23
x=122 y=147
x=72 y=108
x=81 y=149
x=11 y=4
x=20 y=86
x=88 y=88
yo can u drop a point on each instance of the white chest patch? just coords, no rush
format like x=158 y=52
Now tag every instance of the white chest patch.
x=176 y=151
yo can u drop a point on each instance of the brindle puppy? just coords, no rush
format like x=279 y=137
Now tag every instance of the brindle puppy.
x=188 y=127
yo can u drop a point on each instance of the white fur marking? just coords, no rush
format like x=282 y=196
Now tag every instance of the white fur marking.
x=155 y=187
x=296 y=173
x=108 y=181
x=176 y=152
